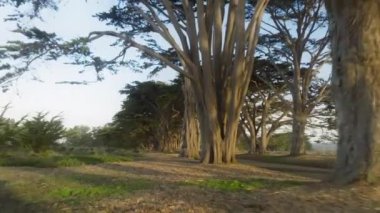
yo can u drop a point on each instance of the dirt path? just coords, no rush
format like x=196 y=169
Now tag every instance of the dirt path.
x=170 y=191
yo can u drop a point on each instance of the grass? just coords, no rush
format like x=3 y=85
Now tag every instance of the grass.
x=72 y=188
x=324 y=162
x=53 y=160
x=243 y=185
x=89 y=191
x=68 y=186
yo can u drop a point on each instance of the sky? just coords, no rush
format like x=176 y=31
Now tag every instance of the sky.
x=37 y=91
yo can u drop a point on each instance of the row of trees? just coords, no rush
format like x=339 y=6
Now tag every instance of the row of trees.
x=215 y=87
x=37 y=133
x=214 y=44
x=42 y=132
x=151 y=117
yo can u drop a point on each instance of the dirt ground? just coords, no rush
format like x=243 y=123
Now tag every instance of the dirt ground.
x=169 y=194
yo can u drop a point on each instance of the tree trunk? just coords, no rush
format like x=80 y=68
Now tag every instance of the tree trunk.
x=218 y=139
x=356 y=83
x=190 y=139
x=211 y=140
x=264 y=131
x=251 y=127
x=298 y=135
x=252 y=142
x=264 y=140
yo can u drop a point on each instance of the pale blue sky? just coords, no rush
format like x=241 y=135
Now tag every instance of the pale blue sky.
x=91 y=105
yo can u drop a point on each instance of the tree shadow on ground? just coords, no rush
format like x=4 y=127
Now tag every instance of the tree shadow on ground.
x=303 y=171
x=10 y=203
x=242 y=169
x=154 y=171
x=159 y=188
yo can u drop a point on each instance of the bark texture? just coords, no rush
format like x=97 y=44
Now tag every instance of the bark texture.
x=298 y=134
x=356 y=83
x=190 y=139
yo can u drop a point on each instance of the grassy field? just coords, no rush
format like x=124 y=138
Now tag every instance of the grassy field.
x=156 y=182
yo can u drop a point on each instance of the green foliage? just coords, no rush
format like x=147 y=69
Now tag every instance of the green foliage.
x=108 y=136
x=79 y=136
x=37 y=6
x=53 y=159
x=243 y=185
x=73 y=187
x=39 y=134
x=282 y=142
x=68 y=161
x=95 y=191
x=9 y=130
x=150 y=115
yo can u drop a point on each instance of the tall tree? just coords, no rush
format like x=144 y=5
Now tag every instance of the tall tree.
x=218 y=61
x=136 y=25
x=265 y=107
x=150 y=116
x=297 y=34
x=355 y=26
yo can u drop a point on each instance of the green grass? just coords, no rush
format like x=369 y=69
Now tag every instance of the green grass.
x=88 y=191
x=73 y=188
x=325 y=162
x=53 y=160
x=243 y=185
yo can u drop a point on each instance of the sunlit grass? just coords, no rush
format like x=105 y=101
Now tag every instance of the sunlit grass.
x=84 y=191
x=243 y=185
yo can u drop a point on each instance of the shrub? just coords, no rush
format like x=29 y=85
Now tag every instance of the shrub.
x=39 y=134
x=282 y=142
x=79 y=136
x=9 y=129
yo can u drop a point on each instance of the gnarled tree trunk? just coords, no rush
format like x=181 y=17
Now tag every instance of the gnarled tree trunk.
x=190 y=139
x=298 y=135
x=356 y=83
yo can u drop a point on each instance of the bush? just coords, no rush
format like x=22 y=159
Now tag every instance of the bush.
x=39 y=134
x=9 y=129
x=79 y=136
x=282 y=142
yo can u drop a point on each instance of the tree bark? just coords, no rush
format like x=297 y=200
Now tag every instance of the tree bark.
x=252 y=141
x=355 y=26
x=298 y=134
x=190 y=140
x=264 y=139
